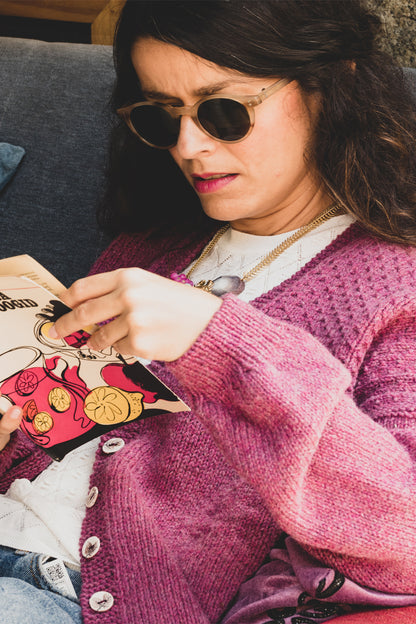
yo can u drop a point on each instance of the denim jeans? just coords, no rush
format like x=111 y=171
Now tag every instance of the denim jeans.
x=28 y=596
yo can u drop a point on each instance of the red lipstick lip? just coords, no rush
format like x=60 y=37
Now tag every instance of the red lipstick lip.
x=205 y=183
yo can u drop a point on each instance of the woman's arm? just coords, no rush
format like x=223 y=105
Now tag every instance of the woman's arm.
x=336 y=471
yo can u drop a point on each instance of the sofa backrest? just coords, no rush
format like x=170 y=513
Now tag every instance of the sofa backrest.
x=54 y=103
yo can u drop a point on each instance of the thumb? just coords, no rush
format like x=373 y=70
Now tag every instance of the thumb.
x=9 y=422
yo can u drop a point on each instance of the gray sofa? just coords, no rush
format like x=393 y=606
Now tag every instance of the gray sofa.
x=54 y=103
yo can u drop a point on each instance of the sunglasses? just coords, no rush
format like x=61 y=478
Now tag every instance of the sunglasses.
x=226 y=118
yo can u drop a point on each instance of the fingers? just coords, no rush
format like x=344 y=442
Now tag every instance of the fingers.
x=90 y=288
x=89 y=312
x=110 y=334
x=151 y=316
x=96 y=299
x=9 y=422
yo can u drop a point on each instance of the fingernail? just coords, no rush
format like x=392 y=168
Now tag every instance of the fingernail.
x=52 y=333
x=15 y=412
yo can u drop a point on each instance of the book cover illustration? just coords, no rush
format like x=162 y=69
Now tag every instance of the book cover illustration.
x=69 y=394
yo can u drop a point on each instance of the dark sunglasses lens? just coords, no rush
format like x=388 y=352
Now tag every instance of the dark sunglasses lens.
x=224 y=119
x=155 y=126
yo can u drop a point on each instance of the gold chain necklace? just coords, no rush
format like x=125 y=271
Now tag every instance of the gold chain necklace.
x=234 y=284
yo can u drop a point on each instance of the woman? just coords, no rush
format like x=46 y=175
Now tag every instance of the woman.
x=287 y=494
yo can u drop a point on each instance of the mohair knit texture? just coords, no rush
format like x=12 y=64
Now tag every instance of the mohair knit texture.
x=303 y=421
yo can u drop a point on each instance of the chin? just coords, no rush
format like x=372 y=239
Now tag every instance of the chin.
x=220 y=212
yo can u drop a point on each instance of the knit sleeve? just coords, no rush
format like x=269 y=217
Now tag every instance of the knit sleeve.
x=332 y=457
x=21 y=459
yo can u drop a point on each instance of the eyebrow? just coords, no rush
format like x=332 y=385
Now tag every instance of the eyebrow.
x=201 y=92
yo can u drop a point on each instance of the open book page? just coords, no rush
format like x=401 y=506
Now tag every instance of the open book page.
x=27 y=266
x=69 y=394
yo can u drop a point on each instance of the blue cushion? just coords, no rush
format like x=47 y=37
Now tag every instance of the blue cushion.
x=10 y=157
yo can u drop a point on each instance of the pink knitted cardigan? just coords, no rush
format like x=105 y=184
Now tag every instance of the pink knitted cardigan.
x=303 y=421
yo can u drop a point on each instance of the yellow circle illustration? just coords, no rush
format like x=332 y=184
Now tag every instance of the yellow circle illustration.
x=135 y=400
x=43 y=422
x=106 y=405
x=59 y=399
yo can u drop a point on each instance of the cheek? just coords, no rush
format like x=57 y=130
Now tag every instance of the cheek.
x=299 y=124
x=290 y=148
x=289 y=127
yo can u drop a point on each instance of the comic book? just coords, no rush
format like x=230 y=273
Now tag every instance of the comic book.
x=69 y=393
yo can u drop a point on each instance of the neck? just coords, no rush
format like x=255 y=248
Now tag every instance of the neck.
x=286 y=218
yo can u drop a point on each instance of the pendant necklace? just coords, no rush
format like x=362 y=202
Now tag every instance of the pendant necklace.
x=234 y=284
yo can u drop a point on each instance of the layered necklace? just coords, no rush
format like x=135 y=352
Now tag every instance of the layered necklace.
x=234 y=284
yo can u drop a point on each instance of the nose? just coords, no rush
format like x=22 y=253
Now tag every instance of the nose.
x=192 y=141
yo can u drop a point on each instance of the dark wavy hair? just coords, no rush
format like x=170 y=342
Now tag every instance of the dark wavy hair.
x=363 y=149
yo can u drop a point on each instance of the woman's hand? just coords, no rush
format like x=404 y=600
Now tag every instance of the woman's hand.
x=152 y=317
x=9 y=422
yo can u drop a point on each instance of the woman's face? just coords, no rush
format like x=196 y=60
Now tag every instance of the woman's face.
x=261 y=185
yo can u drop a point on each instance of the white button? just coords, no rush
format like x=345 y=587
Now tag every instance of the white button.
x=113 y=445
x=101 y=601
x=92 y=497
x=91 y=546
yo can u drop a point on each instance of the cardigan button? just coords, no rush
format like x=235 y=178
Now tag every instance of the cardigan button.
x=101 y=601
x=92 y=497
x=113 y=445
x=90 y=547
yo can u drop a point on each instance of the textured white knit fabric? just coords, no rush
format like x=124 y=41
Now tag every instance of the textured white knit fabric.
x=46 y=515
x=237 y=252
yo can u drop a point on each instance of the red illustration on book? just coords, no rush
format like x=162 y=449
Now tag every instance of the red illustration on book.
x=66 y=390
x=47 y=395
